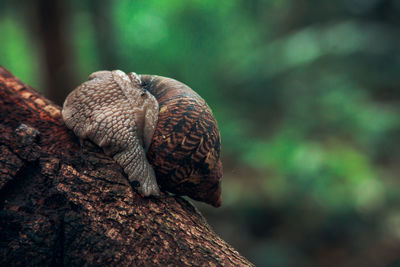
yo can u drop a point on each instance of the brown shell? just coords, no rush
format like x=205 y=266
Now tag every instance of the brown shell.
x=185 y=149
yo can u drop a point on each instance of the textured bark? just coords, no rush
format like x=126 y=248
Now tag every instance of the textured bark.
x=61 y=204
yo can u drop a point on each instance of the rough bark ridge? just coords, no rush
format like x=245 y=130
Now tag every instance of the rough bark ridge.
x=63 y=205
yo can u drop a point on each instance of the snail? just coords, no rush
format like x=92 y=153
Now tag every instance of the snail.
x=161 y=132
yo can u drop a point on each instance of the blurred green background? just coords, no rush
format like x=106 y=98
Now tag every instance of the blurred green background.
x=306 y=94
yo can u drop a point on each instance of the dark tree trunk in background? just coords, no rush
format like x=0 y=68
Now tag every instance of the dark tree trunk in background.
x=59 y=75
x=104 y=34
x=63 y=205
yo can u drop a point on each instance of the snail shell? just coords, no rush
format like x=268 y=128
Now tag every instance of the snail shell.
x=159 y=130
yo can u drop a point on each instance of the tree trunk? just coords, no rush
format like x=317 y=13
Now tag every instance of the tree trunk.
x=59 y=72
x=61 y=204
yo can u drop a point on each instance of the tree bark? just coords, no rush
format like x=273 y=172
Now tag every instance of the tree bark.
x=63 y=204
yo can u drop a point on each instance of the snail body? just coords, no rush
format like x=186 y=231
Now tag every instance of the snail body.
x=157 y=129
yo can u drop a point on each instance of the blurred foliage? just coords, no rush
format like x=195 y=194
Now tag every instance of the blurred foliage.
x=306 y=94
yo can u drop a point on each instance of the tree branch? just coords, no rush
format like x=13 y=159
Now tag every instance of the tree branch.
x=61 y=204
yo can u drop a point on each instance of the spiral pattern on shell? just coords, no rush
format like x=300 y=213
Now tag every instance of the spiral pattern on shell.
x=185 y=148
